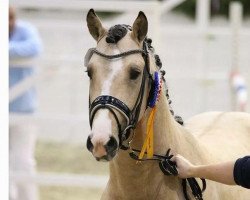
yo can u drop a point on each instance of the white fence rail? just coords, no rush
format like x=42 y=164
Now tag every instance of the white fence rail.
x=107 y=5
x=56 y=179
x=40 y=118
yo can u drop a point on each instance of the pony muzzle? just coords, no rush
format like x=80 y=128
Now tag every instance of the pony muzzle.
x=103 y=151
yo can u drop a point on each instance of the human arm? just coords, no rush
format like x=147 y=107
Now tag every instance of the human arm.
x=221 y=172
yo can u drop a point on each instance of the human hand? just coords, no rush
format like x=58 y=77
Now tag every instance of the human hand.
x=184 y=167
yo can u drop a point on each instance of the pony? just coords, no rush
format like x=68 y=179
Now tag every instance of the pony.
x=127 y=105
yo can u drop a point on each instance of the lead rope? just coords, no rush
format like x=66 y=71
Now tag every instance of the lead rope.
x=196 y=190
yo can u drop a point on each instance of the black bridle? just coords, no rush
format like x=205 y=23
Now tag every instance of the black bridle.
x=132 y=116
x=112 y=103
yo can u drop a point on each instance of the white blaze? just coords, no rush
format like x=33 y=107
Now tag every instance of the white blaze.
x=115 y=68
x=102 y=125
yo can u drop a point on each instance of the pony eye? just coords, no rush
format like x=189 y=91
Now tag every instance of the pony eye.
x=89 y=73
x=134 y=74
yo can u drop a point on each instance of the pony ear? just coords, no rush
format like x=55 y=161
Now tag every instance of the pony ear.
x=140 y=27
x=95 y=25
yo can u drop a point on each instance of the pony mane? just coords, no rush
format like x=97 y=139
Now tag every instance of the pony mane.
x=159 y=66
x=116 y=33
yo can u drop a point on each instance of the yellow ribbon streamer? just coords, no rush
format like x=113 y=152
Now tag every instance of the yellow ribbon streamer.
x=148 y=145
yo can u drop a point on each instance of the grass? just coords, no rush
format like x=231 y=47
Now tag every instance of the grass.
x=69 y=193
x=67 y=158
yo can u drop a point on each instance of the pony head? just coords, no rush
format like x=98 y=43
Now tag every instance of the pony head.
x=118 y=70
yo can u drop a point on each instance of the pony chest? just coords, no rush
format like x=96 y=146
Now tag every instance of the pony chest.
x=152 y=188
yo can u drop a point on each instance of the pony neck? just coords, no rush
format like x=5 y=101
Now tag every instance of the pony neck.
x=169 y=134
x=128 y=176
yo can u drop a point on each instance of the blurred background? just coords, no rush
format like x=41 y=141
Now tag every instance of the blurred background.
x=204 y=46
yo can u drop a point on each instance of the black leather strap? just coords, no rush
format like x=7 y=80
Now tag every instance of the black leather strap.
x=123 y=54
x=108 y=101
x=196 y=190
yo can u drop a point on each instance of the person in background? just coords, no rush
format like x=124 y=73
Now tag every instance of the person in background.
x=24 y=44
x=230 y=173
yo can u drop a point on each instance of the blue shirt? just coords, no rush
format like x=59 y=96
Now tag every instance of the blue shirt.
x=24 y=42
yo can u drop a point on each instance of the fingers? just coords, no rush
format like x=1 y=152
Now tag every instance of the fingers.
x=183 y=166
x=176 y=159
x=173 y=159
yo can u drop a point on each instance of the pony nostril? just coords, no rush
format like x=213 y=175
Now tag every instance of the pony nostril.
x=89 y=144
x=111 y=144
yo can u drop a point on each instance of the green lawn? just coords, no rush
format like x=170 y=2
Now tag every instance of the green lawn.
x=68 y=158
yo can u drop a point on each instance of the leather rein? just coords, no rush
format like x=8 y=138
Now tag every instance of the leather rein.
x=112 y=103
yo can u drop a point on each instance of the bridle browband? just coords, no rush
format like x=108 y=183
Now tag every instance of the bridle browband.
x=113 y=104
